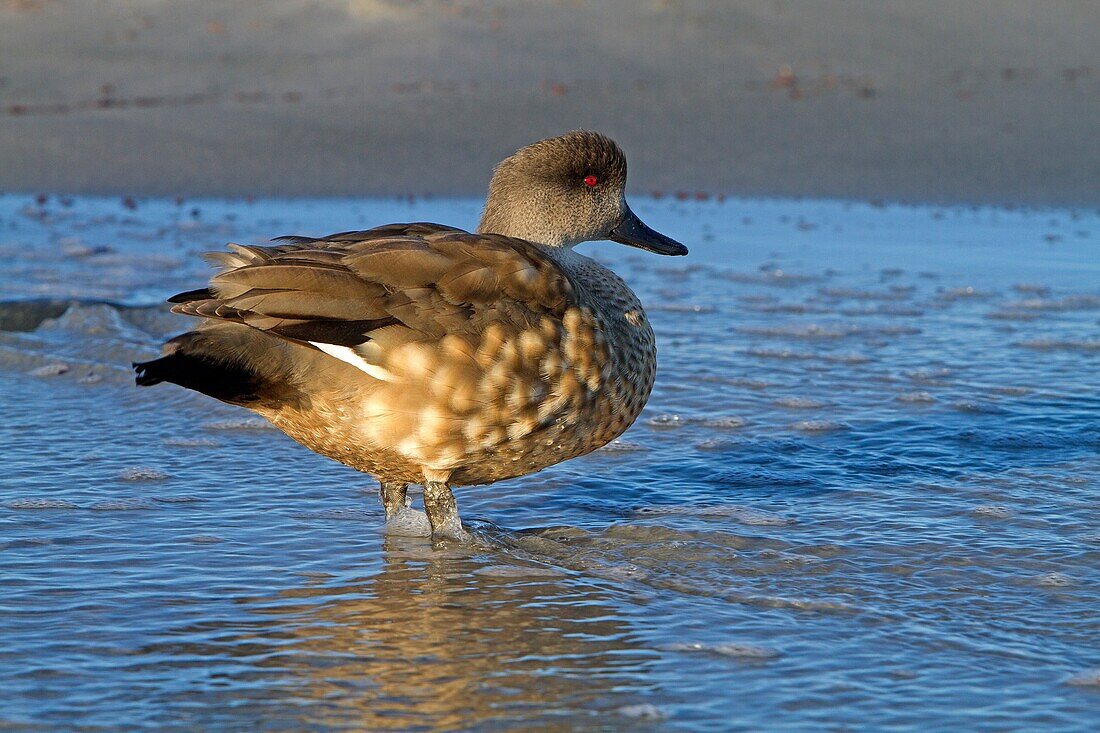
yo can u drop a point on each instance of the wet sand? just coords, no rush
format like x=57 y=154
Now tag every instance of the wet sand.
x=991 y=102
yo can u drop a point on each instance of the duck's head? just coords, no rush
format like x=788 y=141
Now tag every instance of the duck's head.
x=565 y=190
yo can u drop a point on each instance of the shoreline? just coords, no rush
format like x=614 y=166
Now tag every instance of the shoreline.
x=134 y=201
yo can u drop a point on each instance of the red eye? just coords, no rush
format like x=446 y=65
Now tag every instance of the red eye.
x=591 y=180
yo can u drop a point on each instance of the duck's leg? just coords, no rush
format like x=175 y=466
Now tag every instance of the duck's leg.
x=442 y=510
x=392 y=494
x=401 y=519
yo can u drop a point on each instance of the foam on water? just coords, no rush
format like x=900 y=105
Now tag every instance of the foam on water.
x=142 y=473
x=863 y=495
x=747 y=652
x=39 y=503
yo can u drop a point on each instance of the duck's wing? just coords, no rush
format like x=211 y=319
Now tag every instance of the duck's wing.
x=342 y=239
x=402 y=281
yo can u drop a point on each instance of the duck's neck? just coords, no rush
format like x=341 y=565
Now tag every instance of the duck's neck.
x=514 y=212
x=527 y=226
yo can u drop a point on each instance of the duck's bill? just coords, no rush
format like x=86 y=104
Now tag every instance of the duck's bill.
x=633 y=231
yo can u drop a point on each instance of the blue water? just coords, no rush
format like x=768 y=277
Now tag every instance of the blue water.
x=863 y=495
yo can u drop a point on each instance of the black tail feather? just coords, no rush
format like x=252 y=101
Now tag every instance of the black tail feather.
x=146 y=373
x=187 y=297
x=227 y=382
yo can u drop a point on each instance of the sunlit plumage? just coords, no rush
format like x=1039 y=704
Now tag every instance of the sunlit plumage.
x=420 y=353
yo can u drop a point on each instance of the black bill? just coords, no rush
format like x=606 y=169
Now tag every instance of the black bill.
x=633 y=231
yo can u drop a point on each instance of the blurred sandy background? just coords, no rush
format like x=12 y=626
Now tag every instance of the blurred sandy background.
x=937 y=100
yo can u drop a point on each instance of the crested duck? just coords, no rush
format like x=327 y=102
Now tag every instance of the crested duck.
x=424 y=354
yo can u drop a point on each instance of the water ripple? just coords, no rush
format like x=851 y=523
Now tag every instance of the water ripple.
x=864 y=494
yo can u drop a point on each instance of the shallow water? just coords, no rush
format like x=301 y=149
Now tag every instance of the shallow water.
x=863 y=495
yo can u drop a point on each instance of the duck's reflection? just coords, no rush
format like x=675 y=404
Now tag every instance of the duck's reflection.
x=447 y=642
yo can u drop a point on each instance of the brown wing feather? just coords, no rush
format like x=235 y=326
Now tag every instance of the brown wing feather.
x=340 y=289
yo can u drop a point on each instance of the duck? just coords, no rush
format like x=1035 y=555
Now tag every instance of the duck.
x=423 y=354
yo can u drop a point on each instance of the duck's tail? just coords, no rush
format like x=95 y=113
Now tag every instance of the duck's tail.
x=191 y=360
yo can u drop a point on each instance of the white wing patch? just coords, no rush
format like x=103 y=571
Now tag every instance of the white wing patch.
x=348 y=356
